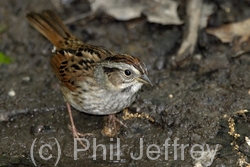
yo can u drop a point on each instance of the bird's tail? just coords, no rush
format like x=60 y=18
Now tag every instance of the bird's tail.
x=50 y=25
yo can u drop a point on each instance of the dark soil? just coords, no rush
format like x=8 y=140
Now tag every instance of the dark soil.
x=190 y=105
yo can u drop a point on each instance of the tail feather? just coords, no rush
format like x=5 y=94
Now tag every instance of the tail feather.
x=50 y=25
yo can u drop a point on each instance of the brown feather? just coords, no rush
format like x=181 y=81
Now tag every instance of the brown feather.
x=72 y=60
x=69 y=68
x=128 y=59
x=51 y=26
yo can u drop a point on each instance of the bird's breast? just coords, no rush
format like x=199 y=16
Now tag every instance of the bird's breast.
x=99 y=101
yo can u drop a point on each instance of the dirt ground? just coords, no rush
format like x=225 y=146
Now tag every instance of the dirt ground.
x=194 y=106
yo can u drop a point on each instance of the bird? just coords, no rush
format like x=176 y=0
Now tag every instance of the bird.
x=92 y=79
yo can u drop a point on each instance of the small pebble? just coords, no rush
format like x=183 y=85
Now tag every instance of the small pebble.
x=12 y=93
x=35 y=129
x=247 y=140
x=26 y=78
x=198 y=56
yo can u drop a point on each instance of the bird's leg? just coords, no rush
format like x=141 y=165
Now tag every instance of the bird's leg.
x=113 y=118
x=76 y=134
x=110 y=125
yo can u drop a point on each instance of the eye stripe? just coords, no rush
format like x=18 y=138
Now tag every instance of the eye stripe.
x=109 y=70
x=129 y=60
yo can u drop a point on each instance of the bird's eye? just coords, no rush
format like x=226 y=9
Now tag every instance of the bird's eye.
x=127 y=72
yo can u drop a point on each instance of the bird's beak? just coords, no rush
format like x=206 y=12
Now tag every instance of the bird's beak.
x=144 y=79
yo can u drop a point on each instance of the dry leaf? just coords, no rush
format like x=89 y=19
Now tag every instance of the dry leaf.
x=238 y=33
x=240 y=45
x=156 y=11
x=163 y=12
x=206 y=11
x=227 y=33
x=121 y=10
